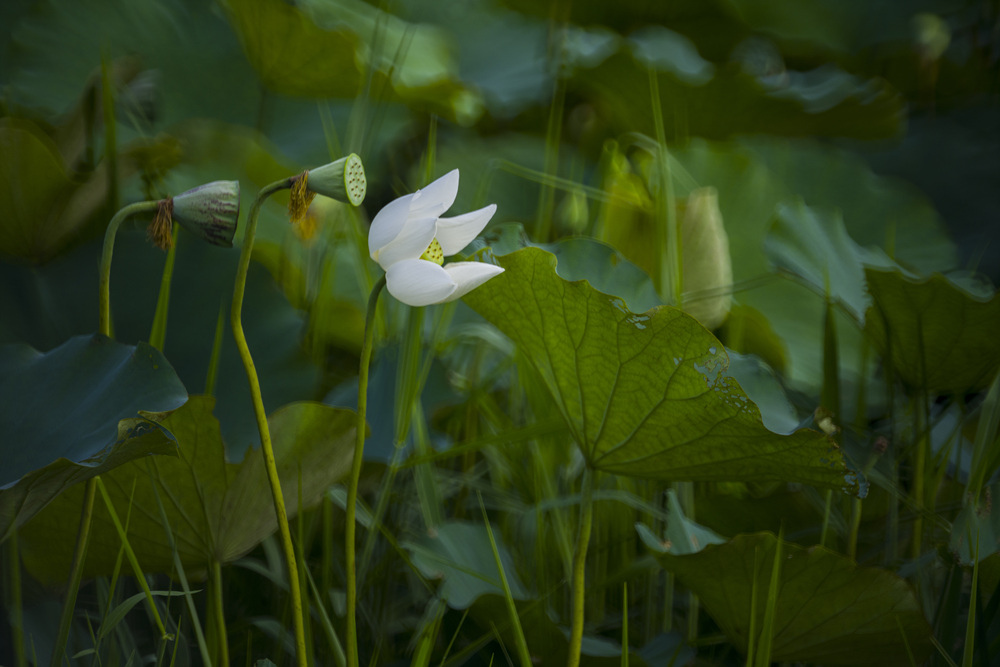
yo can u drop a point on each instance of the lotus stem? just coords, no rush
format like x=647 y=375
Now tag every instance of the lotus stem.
x=352 y=489
x=258 y=406
x=579 y=567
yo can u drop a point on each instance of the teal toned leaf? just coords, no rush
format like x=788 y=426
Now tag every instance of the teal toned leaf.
x=829 y=609
x=814 y=245
x=753 y=177
x=216 y=510
x=940 y=337
x=73 y=413
x=459 y=555
x=683 y=536
x=644 y=395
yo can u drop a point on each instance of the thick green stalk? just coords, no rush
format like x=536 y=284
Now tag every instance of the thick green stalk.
x=104 y=305
x=350 y=527
x=579 y=567
x=236 y=321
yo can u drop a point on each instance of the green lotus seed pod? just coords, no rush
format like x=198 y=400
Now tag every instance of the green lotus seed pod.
x=343 y=180
x=210 y=211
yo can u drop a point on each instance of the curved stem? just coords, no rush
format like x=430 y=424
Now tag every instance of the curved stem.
x=579 y=567
x=258 y=407
x=352 y=490
x=104 y=306
x=90 y=492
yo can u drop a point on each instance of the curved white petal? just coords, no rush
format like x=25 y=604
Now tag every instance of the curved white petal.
x=435 y=198
x=388 y=223
x=455 y=233
x=469 y=275
x=417 y=282
x=411 y=243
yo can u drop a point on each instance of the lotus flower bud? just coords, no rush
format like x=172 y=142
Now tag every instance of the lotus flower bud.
x=343 y=180
x=210 y=211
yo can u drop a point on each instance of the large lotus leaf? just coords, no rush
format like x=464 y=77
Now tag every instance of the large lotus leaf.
x=825 y=102
x=294 y=56
x=808 y=28
x=59 y=44
x=644 y=395
x=753 y=178
x=216 y=510
x=202 y=286
x=582 y=258
x=813 y=245
x=940 y=337
x=73 y=413
x=33 y=182
x=873 y=207
x=460 y=557
x=415 y=59
x=829 y=610
x=459 y=554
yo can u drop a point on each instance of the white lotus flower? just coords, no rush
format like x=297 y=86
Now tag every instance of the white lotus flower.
x=410 y=240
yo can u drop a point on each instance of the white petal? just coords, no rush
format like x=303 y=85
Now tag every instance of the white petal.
x=435 y=198
x=469 y=276
x=388 y=223
x=417 y=282
x=411 y=242
x=455 y=233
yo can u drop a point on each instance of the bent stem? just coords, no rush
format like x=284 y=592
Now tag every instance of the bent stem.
x=90 y=492
x=579 y=567
x=352 y=490
x=258 y=407
x=104 y=306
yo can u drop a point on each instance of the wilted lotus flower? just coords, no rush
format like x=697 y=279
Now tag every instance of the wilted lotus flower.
x=410 y=241
x=209 y=211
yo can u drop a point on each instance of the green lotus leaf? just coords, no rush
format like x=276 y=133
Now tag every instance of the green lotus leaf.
x=822 y=102
x=829 y=610
x=644 y=395
x=291 y=54
x=939 y=336
x=34 y=184
x=73 y=412
x=216 y=510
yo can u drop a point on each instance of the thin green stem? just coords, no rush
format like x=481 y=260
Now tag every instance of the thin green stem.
x=104 y=306
x=266 y=449
x=158 y=334
x=132 y=559
x=16 y=601
x=350 y=527
x=76 y=572
x=220 y=614
x=579 y=567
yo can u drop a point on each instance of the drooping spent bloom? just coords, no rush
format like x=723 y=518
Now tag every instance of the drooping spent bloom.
x=410 y=240
x=209 y=211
